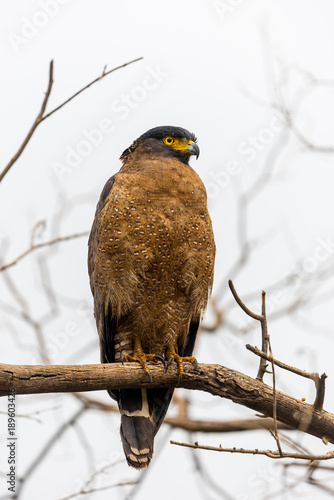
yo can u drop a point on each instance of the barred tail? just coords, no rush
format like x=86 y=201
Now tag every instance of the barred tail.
x=136 y=427
x=142 y=412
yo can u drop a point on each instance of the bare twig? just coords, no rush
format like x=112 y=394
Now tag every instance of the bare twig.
x=318 y=381
x=265 y=339
x=182 y=404
x=37 y=231
x=265 y=344
x=46 y=450
x=41 y=245
x=89 y=488
x=303 y=464
x=102 y=488
x=275 y=433
x=320 y=395
x=317 y=148
x=33 y=127
x=243 y=306
x=269 y=453
x=263 y=321
x=103 y=75
x=288 y=111
x=188 y=424
x=247 y=245
x=16 y=292
x=41 y=116
x=36 y=326
x=210 y=426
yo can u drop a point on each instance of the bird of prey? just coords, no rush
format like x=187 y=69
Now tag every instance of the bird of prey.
x=150 y=260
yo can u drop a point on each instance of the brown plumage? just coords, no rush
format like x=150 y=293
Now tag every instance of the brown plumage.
x=151 y=259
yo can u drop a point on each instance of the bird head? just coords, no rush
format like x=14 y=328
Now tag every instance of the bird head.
x=167 y=142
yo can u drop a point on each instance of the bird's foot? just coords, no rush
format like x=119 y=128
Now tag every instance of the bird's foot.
x=172 y=356
x=142 y=358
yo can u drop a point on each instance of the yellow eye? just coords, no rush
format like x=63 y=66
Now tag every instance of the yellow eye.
x=169 y=140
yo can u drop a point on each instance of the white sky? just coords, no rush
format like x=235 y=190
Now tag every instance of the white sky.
x=199 y=57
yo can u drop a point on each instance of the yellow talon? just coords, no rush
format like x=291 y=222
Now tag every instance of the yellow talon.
x=139 y=356
x=179 y=360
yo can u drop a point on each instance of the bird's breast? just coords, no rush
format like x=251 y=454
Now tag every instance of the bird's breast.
x=155 y=235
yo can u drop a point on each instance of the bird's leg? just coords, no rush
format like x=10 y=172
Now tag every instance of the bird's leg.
x=171 y=355
x=141 y=357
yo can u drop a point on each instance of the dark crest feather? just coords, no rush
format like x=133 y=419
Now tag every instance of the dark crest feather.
x=160 y=133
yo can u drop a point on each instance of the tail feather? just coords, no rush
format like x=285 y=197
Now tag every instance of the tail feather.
x=136 y=427
x=137 y=439
x=142 y=412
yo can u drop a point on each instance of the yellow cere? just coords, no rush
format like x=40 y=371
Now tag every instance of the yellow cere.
x=176 y=143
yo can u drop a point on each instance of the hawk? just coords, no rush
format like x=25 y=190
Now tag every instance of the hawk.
x=150 y=259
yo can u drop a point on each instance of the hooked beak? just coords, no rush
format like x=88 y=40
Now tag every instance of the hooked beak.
x=193 y=149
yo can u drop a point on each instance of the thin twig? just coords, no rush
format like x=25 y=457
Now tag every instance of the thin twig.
x=34 y=125
x=47 y=448
x=289 y=368
x=102 y=488
x=269 y=453
x=275 y=433
x=263 y=321
x=37 y=231
x=303 y=464
x=41 y=245
x=104 y=74
x=88 y=487
x=242 y=305
x=318 y=381
x=265 y=338
x=189 y=424
x=248 y=245
x=320 y=396
x=41 y=116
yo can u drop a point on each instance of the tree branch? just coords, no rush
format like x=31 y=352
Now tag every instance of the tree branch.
x=41 y=116
x=214 y=379
x=262 y=318
x=268 y=453
x=34 y=125
x=36 y=246
x=104 y=74
x=188 y=424
x=275 y=433
x=218 y=426
x=318 y=381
